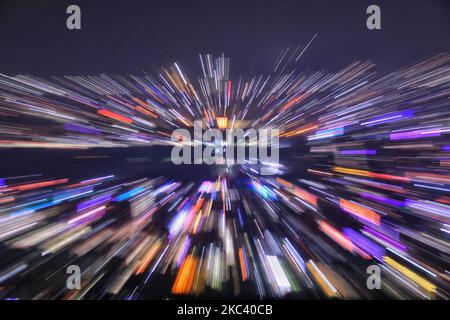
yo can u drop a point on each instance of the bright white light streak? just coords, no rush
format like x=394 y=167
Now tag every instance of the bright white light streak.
x=181 y=74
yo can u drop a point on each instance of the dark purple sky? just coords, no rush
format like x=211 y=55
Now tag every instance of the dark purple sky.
x=133 y=35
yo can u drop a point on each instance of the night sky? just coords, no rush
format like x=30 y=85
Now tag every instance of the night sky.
x=136 y=35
